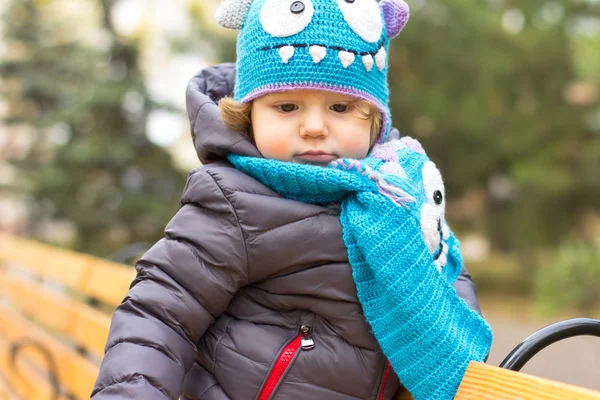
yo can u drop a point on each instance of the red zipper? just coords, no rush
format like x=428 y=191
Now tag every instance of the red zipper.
x=283 y=361
x=385 y=379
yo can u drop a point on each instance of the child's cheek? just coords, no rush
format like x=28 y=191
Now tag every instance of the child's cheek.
x=357 y=143
x=276 y=147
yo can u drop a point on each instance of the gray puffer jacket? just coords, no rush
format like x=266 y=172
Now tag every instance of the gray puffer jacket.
x=248 y=296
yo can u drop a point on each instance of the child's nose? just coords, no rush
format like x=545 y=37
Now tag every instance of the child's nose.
x=314 y=125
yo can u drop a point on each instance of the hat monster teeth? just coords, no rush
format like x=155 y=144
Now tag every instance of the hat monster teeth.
x=368 y=62
x=346 y=58
x=317 y=53
x=286 y=52
x=380 y=58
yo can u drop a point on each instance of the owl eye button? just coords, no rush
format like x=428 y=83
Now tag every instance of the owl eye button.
x=438 y=197
x=349 y=1
x=297 y=7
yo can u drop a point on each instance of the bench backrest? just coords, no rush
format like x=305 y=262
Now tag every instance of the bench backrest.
x=55 y=308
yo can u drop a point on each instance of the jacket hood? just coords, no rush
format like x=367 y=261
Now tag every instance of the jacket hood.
x=212 y=139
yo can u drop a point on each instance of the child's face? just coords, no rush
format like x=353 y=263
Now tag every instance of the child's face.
x=310 y=127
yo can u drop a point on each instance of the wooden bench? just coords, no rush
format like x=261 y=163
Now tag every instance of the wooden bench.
x=55 y=308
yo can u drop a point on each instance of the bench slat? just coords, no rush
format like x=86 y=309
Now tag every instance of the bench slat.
x=7 y=392
x=483 y=382
x=109 y=282
x=48 y=308
x=85 y=325
x=486 y=382
x=89 y=275
x=91 y=329
x=74 y=372
x=45 y=261
x=403 y=395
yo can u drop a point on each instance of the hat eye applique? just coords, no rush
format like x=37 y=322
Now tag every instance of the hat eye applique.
x=434 y=184
x=364 y=18
x=283 y=18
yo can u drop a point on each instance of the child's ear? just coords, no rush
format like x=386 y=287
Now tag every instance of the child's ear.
x=232 y=13
x=395 y=14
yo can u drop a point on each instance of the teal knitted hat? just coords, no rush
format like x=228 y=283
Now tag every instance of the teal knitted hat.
x=335 y=45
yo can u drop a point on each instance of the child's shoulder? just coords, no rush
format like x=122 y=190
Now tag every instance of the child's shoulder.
x=222 y=176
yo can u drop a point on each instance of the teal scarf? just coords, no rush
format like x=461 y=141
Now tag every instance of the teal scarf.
x=404 y=257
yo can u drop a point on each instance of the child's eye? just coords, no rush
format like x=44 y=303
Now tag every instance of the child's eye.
x=340 y=108
x=287 y=107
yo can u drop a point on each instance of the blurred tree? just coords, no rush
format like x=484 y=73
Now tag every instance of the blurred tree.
x=490 y=89
x=90 y=164
x=570 y=279
x=207 y=37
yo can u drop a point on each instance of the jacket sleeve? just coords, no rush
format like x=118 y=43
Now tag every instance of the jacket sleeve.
x=183 y=283
x=465 y=288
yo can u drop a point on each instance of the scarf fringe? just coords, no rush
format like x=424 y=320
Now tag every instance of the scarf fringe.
x=389 y=190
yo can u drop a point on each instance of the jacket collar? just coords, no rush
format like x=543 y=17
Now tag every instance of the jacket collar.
x=212 y=139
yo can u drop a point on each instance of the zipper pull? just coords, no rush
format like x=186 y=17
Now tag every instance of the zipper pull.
x=306 y=339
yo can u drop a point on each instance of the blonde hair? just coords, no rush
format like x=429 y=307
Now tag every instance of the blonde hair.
x=236 y=116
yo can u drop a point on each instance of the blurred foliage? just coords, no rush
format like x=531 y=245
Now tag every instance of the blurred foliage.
x=492 y=108
x=215 y=44
x=569 y=279
x=90 y=163
x=502 y=275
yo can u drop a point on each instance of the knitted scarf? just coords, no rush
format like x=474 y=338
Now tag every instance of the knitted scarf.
x=404 y=257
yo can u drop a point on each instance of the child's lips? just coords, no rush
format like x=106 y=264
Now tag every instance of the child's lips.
x=318 y=157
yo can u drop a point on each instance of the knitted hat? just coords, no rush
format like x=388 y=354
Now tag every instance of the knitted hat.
x=335 y=45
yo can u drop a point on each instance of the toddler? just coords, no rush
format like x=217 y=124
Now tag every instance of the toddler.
x=310 y=257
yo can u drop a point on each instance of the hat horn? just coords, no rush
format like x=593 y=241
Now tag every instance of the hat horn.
x=232 y=13
x=395 y=13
